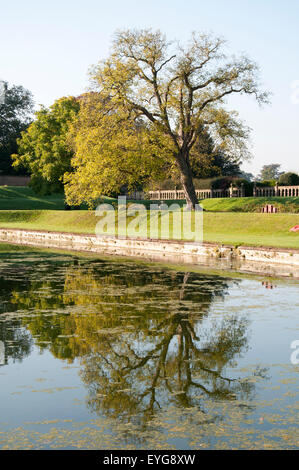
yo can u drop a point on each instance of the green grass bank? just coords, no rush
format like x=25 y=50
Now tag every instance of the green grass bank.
x=23 y=198
x=253 y=229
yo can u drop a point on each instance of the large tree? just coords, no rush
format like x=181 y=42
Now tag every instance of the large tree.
x=113 y=152
x=176 y=89
x=16 y=106
x=43 y=148
x=270 y=172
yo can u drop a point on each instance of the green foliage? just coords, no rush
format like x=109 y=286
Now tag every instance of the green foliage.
x=289 y=179
x=229 y=227
x=18 y=197
x=171 y=93
x=221 y=182
x=270 y=172
x=207 y=164
x=247 y=176
x=111 y=151
x=43 y=148
x=43 y=187
x=251 y=204
x=208 y=160
x=167 y=184
x=15 y=116
x=268 y=183
x=248 y=186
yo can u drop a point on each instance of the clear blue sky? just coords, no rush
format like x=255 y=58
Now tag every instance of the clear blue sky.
x=48 y=46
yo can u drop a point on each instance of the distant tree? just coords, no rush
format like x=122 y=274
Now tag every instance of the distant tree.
x=43 y=149
x=289 y=179
x=16 y=107
x=208 y=159
x=247 y=176
x=175 y=91
x=270 y=172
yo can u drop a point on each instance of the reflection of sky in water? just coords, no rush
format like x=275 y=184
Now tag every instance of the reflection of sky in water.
x=274 y=318
x=255 y=387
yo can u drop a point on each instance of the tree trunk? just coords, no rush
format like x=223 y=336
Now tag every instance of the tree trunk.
x=187 y=180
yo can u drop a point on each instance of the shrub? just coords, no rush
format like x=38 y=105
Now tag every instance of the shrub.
x=224 y=182
x=247 y=185
x=267 y=183
x=167 y=184
x=43 y=187
x=219 y=182
x=289 y=179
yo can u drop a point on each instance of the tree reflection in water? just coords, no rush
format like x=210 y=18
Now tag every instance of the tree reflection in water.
x=133 y=373
x=16 y=340
x=143 y=334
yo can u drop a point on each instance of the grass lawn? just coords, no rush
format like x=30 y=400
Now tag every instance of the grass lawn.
x=228 y=227
x=251 y=229
x=251 y=204
x=246 y=204
x=23 y=198
x=235 y=221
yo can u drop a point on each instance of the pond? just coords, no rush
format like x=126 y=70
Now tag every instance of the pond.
x=106 y=353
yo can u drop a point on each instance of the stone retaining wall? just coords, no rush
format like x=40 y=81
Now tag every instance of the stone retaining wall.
x=259 y=259
x=13 y=180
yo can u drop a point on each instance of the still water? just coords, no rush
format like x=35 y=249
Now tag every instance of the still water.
x=116 y=354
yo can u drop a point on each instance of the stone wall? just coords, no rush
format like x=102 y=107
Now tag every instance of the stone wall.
x=259 y=260
x=175 y=194
x=11 y=180
x=271 y=191
x=276 y=191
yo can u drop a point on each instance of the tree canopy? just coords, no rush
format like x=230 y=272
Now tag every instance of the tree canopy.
x=16 y=107
x=113 y=152
x=208 y=159
x=175 y=92
x=110 y=151
x=270 y=172
x=43 y=148
x=289 y=179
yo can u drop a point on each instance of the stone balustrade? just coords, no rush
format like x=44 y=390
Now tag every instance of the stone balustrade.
x=174 y=194
x=278 y=191
x=233 y=191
